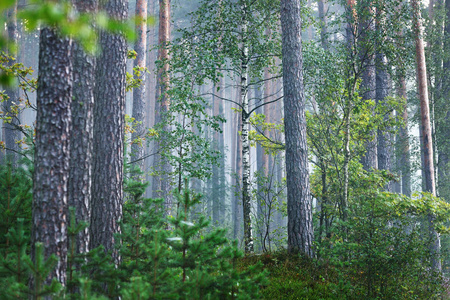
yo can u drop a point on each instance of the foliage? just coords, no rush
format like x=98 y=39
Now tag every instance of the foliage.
x=381 y=245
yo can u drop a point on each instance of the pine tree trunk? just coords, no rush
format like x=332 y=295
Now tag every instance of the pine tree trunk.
x=261 y=169
x=51 y=173
x=81 y=139
x=161 y=182
x=237 y=203
x=405 y=162
x=323 y=23
x=383 y=137
x=109 y=114
x=443 y=115
x=151 y=95
x=139 y=93
x=11 y=133
x=428 y=165
x=368 y=88
x=300 y=227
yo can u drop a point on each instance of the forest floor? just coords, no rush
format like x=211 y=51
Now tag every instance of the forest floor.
x=295 y=277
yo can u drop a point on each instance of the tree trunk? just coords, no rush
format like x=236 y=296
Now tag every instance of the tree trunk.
x=368 y=87
x=139 y=94
x=384 y=138
x=428 y=165
x=300 y=227
x=323 y=23
x=109 y=112
x=246 y=193
x=151 y=95
x=51 y=173
x=405 y=163
x=82 y=132
x=443 y=116
x=11 y=133
x=161 y=182
x=237 y=202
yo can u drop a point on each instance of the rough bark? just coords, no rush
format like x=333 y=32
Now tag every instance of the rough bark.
x=300 y=227
x=443 y=116
x=428 y=164
x=403 y=143
x=383 y=137
x=107 y=181
x=151 y=88
x=368 y=86
x=323 y=23
x=81 y=138
x=51 y=174
x=139 y=93
x=10 y=132
x=161 y=182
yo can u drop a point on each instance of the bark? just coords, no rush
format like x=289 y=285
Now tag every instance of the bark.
x=218 y=169
x=261 y=169
x=150 y=96
x=107 y=181
x=139 y=93
x=161 y=182
x=300 y=227
x=368 y=87
x=404 y=161
x=81 y=138
x=428 y=165
x=52 y=155
x=323 y=23
x=443 y=116
x=245 y=117
x=10 y=131
x=383 y=137
x=237 y=203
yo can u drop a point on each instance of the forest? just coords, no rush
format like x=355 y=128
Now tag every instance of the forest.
x=225 y=149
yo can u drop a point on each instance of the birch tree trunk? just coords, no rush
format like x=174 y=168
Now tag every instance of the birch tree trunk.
x=246 y=193
x=300 y=227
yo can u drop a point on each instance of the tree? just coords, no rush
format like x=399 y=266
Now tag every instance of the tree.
x=10 y=132
x=109 y=95
x=161 y=180
x=427 y=143
x=51 y=165
x=81 y=139
x=139 y=93
x=244 y=52
x=300 y=227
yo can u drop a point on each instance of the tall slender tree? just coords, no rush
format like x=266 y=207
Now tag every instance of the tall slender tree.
x=10 y=132
x=161 y=181
x=51 y=162
x=80 y=177
x=300 y=227
x=139 y=93
x=427 y=143
x=109 y=114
